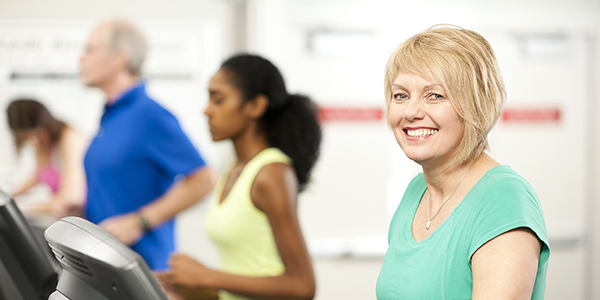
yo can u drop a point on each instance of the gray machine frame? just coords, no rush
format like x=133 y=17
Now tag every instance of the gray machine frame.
x=27 y=269
x=97 y=266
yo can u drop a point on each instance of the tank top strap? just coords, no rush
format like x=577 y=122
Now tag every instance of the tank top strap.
x=240 y=191
x=221 y=181
x=246 y=178
x=265 y=157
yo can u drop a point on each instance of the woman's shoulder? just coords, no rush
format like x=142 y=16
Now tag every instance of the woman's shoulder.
x=274 y=182
x=272 y=173
x=503 y=194
x=272 y=154
x=504 y=178
x=70 y=136
x=504 y=200
x=273 y=167
x=69 y=130
x=270 y=161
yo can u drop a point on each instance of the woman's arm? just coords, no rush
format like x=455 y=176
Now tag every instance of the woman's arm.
x=72 y=189
x=274 y=192
x=506 y=266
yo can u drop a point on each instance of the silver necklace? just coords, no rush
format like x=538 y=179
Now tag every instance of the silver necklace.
x=444 y=202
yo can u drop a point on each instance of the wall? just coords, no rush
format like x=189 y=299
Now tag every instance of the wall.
x=594 y=175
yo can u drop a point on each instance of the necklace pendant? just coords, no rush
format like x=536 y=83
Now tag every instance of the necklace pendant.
x=427 y=227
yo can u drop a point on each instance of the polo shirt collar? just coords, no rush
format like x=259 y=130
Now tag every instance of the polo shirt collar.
x=127 y=96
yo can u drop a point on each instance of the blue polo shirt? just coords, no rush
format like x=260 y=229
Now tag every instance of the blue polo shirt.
x=135 y=157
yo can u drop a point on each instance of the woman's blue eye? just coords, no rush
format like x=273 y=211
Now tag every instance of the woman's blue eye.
x=400 y=97
x=434 y=96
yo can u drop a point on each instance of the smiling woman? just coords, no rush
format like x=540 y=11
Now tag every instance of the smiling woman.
x=425 y=124
x=467 y=227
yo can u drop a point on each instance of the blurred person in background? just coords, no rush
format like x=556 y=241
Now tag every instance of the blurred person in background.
x=252 y=218
x=59 y=151
x=139 y=151
x=467 y=227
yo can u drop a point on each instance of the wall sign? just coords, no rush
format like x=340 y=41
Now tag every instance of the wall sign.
x=353 y=114
x=531 y=115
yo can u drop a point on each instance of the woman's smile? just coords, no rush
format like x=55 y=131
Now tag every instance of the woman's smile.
x=419 y=132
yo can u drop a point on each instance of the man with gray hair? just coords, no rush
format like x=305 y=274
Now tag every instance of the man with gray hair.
x=139 y=150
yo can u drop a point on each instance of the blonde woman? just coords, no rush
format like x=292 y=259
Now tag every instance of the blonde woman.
x=467 y=227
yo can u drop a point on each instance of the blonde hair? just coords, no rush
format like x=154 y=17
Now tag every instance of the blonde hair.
x=463 y=63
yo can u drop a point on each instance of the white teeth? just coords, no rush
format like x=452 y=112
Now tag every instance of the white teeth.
x=421 y=132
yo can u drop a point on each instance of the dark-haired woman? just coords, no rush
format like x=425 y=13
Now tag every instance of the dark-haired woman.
x=59 y=151
x=252 y=218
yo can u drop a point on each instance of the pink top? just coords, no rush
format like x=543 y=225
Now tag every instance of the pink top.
x=50 y=175
x=50 y=172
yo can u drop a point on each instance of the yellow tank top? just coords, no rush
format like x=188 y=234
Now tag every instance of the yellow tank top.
x=241 y=231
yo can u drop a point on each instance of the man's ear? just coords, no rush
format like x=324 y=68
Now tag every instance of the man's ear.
x=257 y=107
x=120 y=58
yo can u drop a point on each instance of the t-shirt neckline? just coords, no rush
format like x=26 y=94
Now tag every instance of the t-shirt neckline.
x=456 y=210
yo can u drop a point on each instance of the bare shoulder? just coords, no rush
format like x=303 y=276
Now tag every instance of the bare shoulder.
x=274 y=182
x=71 y=136
x=72 y=144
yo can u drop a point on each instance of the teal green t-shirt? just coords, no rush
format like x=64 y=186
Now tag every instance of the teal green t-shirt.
x=439 y=267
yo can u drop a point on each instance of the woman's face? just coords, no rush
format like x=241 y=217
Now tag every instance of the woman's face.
x=425 y=124
x=226 y=118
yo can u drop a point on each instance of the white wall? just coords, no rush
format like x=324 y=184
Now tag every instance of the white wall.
x=593 y=207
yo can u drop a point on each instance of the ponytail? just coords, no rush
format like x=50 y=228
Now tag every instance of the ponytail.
x=290 y=122
x=295 y=130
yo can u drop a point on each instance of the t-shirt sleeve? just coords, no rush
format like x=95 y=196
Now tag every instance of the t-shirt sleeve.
x=168 y=147
x=507 y=204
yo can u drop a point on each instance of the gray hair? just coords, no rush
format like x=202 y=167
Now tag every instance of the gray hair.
x=126 y=37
